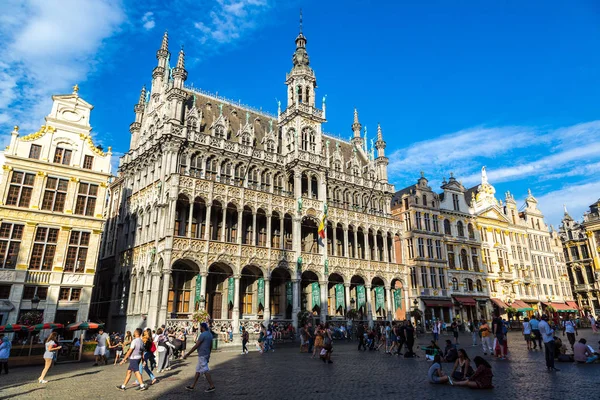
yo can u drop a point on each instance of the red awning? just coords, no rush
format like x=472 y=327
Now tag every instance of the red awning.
x=572 y=304
x=518 y=304
x=465 y=301
x=438 y=303
x=499 y=303
x=562 y=307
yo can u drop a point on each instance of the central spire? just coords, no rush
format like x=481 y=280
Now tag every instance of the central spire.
x=300 y=57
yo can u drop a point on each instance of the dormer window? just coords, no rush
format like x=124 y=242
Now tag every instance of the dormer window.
x=270 y=146
x=246 y=139
x=35 y=151
x=88 y=162
x=62 y=156
x=220 y=131
x=337 y=166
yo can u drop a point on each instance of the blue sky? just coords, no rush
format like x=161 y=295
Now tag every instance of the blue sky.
x=455 y=85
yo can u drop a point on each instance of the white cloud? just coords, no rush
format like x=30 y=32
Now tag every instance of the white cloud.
x=148 y=21
x=229 y=20
x=48 y=46
x=577 y=198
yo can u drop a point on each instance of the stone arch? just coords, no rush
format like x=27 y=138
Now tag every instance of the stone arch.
x=218 y=281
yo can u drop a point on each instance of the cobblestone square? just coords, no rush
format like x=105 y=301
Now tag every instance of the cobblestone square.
x=286 y=373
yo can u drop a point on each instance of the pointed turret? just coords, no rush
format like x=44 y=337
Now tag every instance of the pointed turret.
x=136 y=126
x=158 y=74
x=380 y=143
x=142 y=98
x=357 y=139
x=179 y=72
x=301 y=80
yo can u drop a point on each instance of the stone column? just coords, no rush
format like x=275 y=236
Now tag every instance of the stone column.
x=355 y=255
x=324 y=303
x=390 y=311
x=346 y=237
x=236 y=304
x=203 y=289
x=267 y=309
x=208 y=222
x=223 y=224
x=369 y=305
x=269 y=239
x=386 y=255
x=347 y=296
x=190 y=218
x=281 y=233
x=366 y=245
x=153 y=309
x=240 y=231
x=295 y=301
x=164 y=312
x=254 y=230
x=334 y=242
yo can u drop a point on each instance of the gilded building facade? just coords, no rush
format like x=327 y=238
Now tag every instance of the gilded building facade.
x=581 y=253
x=53 y=188
x=469 y=255
x=217 y=206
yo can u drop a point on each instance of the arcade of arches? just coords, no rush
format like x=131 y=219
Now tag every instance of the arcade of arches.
x=253 y=296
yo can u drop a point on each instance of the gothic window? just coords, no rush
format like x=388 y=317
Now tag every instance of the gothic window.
x=475 y=259
x=450 y=252
x=196 y=165
x=278 y=183
x=424 y=199
x=455 y=202
x=220 y=131
x=305 y=138
x=447 y=229
x=239 y=173
x=253 y=178
x=469 y=285
x=479 y=286
x=455 y=284
x=460 y=228
x=266 y=181
x=355 y=171
x=211 y=167
x=313 y=142
x=337 y=166
x=290 y=140
x=226 y=170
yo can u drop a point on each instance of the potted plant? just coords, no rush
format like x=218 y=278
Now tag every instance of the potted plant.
x=511 y=311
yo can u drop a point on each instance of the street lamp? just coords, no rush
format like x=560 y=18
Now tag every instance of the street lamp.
x=416 y=302
x=35 y=302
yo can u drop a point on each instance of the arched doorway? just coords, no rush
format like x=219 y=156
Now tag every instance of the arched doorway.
x=336 y=296
x=379 y=299
x=251 y=305
x=220 y=291
x=311 y=293
x=182 y=284
x=398 y=300
x=358 y=293
x=281 y=296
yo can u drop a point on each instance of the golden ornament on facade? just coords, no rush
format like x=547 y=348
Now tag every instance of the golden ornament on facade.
x=36 y=135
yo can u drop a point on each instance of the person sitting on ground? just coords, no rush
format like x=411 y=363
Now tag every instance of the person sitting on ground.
x=432 y=350
x=462 y=367
x=481 y=378
x=582 y=353
x=435 y=373
x=450 y=352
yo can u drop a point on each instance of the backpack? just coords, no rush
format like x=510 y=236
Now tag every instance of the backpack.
x=504 y=329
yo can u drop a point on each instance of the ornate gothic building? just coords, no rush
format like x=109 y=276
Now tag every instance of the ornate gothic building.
x=218 y=205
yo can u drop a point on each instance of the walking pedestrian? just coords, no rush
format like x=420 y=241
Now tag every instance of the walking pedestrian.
x=527 y=332
x=100 y=353
x=5 y=346
x=51 y=348
x=360 y=333
x=245 y=337
x=310 y=336
x=498 y=329
x=486 y=339
x=474 y=333
x=593 y=323
x=319 y=335
x=571 y=329
x=204 y=346
x=535 y=321
x=134 y=355
x=147 y=363
x=327 y=345
x=435 y=330
x=410 y=337
x=548 y=338
x=118 y=346
x=454 y=328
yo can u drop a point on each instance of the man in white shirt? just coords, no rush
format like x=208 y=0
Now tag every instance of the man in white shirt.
x=100 y=353
x=571 y=329
x=548 y=338
x=134 y=355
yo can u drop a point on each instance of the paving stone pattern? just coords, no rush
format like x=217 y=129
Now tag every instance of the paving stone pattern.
x=288 y=374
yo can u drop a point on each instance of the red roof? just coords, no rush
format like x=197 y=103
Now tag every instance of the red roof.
x=572 y=304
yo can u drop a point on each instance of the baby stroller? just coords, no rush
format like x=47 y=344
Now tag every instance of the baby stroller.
x=177 y=348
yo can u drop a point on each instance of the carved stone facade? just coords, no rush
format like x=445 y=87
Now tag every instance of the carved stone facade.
x=52 y=210
x=581 y=253
x=218 y=206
